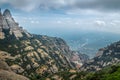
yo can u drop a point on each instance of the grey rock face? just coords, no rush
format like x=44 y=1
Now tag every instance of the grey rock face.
x=7 y=74
x=7 y=23
x=7 y=14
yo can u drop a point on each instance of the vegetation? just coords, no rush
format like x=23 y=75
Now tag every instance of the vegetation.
x=108 y=73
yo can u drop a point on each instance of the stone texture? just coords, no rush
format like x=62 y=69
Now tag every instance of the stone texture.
x=7 y=22
x=7 y=74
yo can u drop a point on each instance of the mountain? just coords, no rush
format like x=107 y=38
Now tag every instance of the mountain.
x=34 y=56
x=78 y=59
x=89 y=42
x=104 y=66
x=9 y=27
x=106 y=56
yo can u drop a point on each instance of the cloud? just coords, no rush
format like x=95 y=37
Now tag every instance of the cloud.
x=112 y=5
x=113 y=24
x=29 y=5
x=59 y=22
x=77 y=23
x=100 y=23
x=26 y=5
x=34 y=22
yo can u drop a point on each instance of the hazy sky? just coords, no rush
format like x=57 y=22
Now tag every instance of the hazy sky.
x=65 y=16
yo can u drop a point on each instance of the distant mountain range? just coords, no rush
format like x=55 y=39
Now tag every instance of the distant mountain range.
x=90 y=42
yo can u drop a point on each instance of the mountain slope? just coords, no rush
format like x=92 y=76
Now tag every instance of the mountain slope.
x=105 y=57
x=29 y=54
x=6 y=73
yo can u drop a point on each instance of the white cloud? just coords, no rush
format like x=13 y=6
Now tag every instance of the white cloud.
x=100 y=23
x=26 y=5
x=77 y=23
x=35 y=22
x=59 y=22
x=113 y=24
x=32 y=22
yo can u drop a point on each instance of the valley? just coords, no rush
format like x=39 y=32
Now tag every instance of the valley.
x=26 y=56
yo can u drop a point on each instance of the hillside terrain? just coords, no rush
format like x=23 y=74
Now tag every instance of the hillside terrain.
x=29 y=54
x=104 y=66
x=26 y=56
x=105 y=57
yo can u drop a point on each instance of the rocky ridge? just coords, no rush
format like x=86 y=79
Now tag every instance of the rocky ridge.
x=106 y=56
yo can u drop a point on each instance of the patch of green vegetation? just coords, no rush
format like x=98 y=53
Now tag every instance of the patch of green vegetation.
x=108 y=73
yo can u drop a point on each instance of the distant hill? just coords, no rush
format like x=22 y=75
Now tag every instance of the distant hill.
x=90 y=42
x=106 y=56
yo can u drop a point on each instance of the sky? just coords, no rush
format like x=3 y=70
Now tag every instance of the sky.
x=55 y=17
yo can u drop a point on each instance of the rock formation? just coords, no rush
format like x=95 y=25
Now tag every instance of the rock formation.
x=7 y=22
x=7 y=74
x=106 y=56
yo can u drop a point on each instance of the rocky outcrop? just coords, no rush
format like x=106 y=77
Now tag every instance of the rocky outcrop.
x=78 y=59
x=7 y=23
x=7 y=74
x=105 y=57
x=4 y=66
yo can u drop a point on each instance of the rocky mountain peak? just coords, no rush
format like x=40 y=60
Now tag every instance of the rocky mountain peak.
x=8 y=26
x=7 y=13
